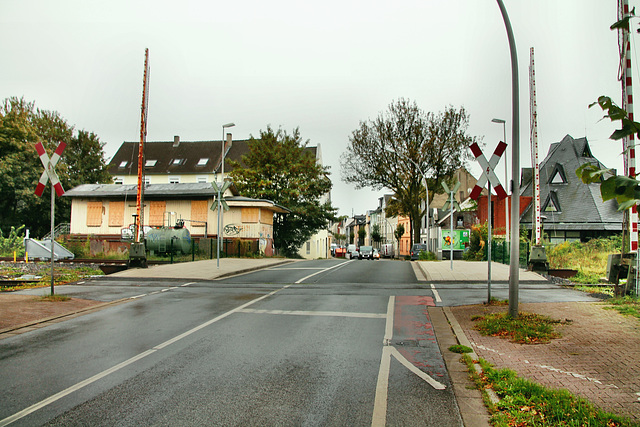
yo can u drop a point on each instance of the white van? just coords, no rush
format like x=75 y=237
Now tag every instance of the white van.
x=350 y=250
x=387 y=250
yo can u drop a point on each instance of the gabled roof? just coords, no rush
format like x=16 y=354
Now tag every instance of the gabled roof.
x=580 y=205
x=187 y=157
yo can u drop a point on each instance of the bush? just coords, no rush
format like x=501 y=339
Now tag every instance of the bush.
x=13 y=243
x=427 y=256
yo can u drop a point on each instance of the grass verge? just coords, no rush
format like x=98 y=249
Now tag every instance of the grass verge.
x=54 y=298
x=525 y=403
x=628 y=306
x=527 y=328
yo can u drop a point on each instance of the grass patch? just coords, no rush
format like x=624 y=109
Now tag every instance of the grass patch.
x=627 y=306
x=460 y=349
x=527 y=328
x=54 y=298
x=525 y=403
x=590 y=258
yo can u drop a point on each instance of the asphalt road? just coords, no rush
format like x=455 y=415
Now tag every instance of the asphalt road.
x=327 y=342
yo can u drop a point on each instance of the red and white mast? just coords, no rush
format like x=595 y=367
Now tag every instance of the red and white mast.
x=537 y=224
x=139 y=231
x=624 y=44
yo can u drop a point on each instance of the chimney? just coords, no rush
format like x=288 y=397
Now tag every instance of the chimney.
x=176 y=141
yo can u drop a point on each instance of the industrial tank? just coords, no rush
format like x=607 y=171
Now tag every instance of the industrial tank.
x=158 y=240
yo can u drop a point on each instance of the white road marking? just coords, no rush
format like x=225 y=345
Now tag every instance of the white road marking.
x=379 y=417
x=127 y=362
x=433 y=383
x=435 y=293
x=139 y=296
x=190 y=283
x=322 y=271
x=388 y=330
x=293 y=268
x=317 y=313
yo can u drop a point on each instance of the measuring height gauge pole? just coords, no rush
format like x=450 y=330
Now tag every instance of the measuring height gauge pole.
x=137 y=252
x=534 y=153
x=56 y=188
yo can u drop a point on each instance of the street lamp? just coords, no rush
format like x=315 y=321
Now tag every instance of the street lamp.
x=506 y=183
x=220 y=213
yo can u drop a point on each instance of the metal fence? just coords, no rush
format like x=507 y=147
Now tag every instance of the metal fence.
x=501 y=252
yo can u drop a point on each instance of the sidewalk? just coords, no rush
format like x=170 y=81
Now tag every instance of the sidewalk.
x=596 y=358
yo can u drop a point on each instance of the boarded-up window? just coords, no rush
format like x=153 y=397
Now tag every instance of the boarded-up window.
x=250 y=214
x=156 y=213
x=116 y=214
x=266 y=217
x=94 y=214
x=199 y=212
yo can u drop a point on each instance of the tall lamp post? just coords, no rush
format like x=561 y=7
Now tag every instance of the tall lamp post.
x=514 y=274
x=220 y=213
x=506 y=182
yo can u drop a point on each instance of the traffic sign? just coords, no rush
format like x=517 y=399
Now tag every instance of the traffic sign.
x=49 y=171
x=488 y=171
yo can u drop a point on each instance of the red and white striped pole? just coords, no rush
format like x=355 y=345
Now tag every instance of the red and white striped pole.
x=627 y=103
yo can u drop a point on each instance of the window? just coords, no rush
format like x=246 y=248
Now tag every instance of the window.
x=123 y=164
x=308 y=247
x=203 y=161
x=156 y=213
x=150 y=163
x=147 y=180
x=551 y=204
x=558 y=176
x=250 y=214
x=201 y=179
x=118 y=180
x=94 y=214
x=177 y=162
x=199 y=212
x=174 y=179
x=116 y=214
x=266 y=216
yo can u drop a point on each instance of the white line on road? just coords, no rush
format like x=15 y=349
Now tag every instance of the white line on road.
x=435 y=293
x=322 y=271
x=139 y=296
x=127 y=362
x=388 y=330
x=187 y=284
x=379 y=417
x=317 y=313
x=433 y=383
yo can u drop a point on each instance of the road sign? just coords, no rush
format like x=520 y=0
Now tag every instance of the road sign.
x=488 y=172
x=221 y=191
x=452 y=201
x=49 y=169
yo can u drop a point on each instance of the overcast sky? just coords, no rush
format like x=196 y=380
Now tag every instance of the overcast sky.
x=321 y=66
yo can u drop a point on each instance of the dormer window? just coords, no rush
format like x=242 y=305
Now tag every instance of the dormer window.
x=558 y=176
x=150 y=163
x=551 y=204
x=123 y=164
x=203 y=162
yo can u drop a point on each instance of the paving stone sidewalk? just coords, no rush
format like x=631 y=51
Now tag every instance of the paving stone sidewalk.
x=597 y=357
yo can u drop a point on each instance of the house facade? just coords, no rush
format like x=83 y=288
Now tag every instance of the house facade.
x=570 y=209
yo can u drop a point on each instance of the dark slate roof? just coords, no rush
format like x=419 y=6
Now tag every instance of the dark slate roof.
x=188 y=152
x=151 y=191
x=580 y=205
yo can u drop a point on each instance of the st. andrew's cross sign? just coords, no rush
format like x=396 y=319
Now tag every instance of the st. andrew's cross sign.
x=49 y=173
x=488 y=172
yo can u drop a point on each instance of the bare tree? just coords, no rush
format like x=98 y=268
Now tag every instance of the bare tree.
x=401 y=147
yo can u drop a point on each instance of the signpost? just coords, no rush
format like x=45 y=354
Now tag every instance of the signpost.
x=451 y=203
x=220 y=204
x=49 y=173
x=488 y=174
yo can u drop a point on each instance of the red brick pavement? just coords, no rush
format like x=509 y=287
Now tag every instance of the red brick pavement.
x=598 y=356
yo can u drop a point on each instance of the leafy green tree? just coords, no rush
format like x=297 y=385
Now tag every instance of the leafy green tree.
x=398 y=233
x=21 y=126
x=396 y=149
x=362 y=233
x=279 y=168
x=375 y=234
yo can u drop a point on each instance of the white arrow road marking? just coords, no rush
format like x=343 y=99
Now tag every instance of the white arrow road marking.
x=322 y=271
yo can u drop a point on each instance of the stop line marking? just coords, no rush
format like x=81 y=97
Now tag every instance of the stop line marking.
x=316 y=313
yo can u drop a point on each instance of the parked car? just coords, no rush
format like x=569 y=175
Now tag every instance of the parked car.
x=416 y=249
x=350 y=250
x=376 y=254
x=355 y=254
x=366 y=252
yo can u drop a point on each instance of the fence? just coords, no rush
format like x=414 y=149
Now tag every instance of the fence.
x=501 y=252
x=202 y=249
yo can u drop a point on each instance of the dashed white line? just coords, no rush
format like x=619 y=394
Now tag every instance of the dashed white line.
x=435 y=293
